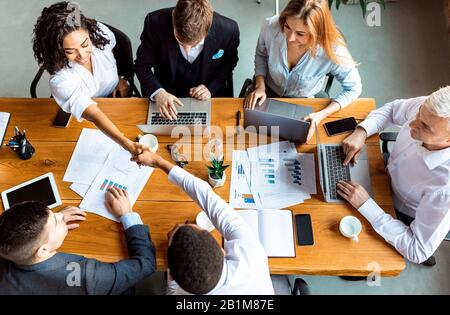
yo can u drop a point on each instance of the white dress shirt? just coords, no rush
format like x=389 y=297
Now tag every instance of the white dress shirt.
x=420 y=182
x=193 y=53
x=74 y=87
x=245 y=269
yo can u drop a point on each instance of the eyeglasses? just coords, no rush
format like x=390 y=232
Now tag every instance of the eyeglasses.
x=177 y=157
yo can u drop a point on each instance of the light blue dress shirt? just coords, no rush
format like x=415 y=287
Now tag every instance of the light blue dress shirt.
x=130 y=219
x=307 y=77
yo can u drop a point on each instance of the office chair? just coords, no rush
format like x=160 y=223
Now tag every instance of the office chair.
x=282 y=285
x=123 y=53
x=385 y=138
x=248 y=86
x=228 y=89
x=300 y=287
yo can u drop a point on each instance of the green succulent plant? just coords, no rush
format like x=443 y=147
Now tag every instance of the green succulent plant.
x=362 y=3
x=217 y=168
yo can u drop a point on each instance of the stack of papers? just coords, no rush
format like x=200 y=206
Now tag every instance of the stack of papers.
x=97 y=164
x=271 y=176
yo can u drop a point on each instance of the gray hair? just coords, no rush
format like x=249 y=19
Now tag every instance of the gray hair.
x=439 y=102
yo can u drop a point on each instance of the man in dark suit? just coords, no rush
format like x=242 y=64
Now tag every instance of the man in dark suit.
x=186 y=51
x=31 y=234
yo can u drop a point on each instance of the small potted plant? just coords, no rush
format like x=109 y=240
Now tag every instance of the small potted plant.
x=216 y=175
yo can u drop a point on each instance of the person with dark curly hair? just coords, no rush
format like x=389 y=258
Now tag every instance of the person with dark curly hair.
x=77 y=53
x=197 y=264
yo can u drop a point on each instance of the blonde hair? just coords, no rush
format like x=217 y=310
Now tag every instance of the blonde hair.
x=318 y=19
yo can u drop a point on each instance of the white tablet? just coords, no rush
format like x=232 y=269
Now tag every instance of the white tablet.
x=42 y=188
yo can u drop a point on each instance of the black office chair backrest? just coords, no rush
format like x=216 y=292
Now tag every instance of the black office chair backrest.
x=123 y=53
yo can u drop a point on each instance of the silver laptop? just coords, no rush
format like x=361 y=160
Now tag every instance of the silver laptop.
x=331 y=170
x=193 y=114
x=287 y=116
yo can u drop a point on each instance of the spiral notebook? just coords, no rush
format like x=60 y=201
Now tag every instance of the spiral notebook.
x=4 y=120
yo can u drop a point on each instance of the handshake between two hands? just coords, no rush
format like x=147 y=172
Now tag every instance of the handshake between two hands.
x=143 y=156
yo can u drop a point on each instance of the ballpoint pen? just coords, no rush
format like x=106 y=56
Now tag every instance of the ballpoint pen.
x=238 y=122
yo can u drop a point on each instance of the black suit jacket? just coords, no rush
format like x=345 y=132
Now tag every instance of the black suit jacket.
x=156 y=59
x=73 y=274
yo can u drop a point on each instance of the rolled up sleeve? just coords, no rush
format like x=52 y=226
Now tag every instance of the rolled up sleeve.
x=67 y=93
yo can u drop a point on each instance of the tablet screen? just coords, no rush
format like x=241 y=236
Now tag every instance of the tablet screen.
x=40 y=190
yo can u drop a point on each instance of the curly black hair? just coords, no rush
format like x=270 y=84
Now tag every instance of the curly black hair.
x=195 y=260
x=51 y=28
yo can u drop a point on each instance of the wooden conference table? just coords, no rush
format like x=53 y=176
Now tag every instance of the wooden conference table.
x=162 y=204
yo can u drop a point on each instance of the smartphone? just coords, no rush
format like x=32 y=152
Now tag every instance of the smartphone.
x=340 y=126
x=304 y=229
x=62 y=119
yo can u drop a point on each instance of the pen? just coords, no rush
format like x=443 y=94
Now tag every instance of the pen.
x=238 y=120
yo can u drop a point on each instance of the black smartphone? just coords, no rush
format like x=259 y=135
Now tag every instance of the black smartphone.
x=304 y=229
x=62 y=119
x=340 y=126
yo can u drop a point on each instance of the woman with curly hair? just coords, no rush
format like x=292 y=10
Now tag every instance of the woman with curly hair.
x=77 y=53
x=295 y=52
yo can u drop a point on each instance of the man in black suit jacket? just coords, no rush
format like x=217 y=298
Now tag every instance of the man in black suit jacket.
x=186 y=51
x=30 y=235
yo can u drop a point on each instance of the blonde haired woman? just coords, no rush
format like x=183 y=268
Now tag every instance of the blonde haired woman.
x=296 y=51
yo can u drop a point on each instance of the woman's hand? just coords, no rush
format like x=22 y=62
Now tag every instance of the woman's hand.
x=314 y=119
x=134 y=148
x=122 y=87
x=257 y=97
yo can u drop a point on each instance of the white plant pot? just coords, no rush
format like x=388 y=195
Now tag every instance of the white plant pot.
x=217 y=182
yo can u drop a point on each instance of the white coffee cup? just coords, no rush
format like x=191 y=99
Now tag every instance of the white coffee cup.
x=350 y=227
x=204 y=222
x=150 y=141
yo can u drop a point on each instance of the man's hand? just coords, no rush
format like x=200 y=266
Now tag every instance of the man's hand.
x=257 y=97
x=147 y=158
x=353 y=144
x=165 y=103
x=200 y=92
x=118 y=202
x=73 y=214
x=314 y=119
x=354 y=193
x=122 y=87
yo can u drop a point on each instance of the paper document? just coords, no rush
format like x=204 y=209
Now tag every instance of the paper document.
x=89 y=156
x=277 y=147
x=80 y=189
x=298 y=173
x=4 y=119
x=240 y=195
x=120 y=172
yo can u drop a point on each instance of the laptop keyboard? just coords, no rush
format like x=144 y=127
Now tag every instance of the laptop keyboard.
x=186 y=118
x=336 y=171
